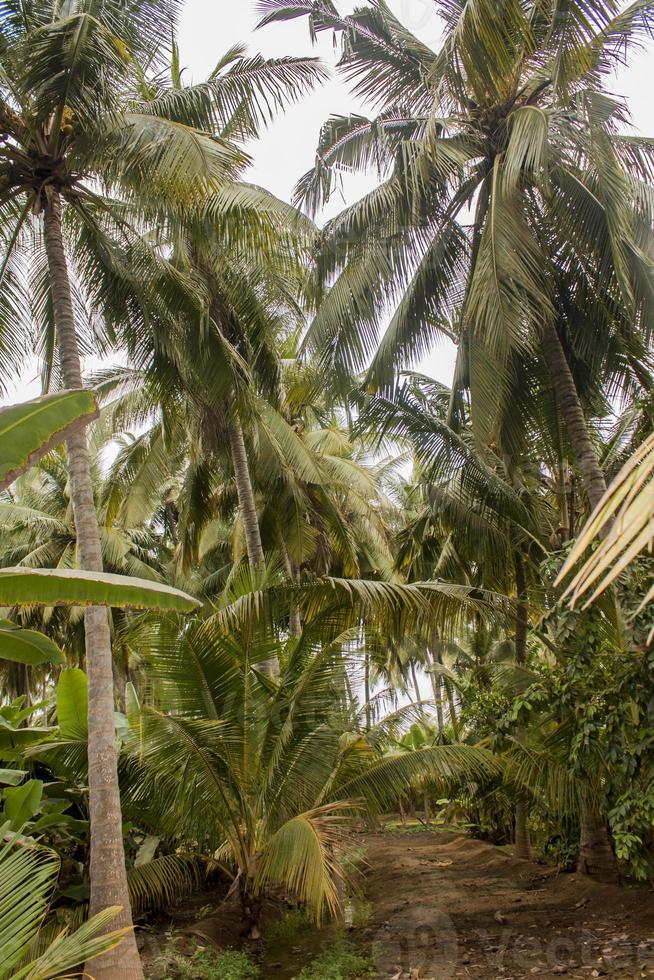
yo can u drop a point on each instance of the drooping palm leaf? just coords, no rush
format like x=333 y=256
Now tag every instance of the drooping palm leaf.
x=626 y=516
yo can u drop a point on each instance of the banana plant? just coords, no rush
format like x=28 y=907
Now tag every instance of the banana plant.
x=27 y=432
x=30 y=430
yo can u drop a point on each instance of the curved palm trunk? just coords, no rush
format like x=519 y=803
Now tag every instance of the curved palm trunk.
x=107 y=861
x=522 y=842
x=573 y=414
x=249 y=516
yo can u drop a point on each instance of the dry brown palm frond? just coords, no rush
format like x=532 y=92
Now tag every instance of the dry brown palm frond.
x=626 y=512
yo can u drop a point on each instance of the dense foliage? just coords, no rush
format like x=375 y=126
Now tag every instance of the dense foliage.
x=277 y=582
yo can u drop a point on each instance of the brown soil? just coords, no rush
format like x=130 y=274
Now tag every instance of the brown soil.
x=442 y=906
x=447 y=906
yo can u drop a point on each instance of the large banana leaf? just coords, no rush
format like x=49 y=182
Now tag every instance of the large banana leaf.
x=27 y=646
x=72 y=703
x=30 y=430
x=73 y=587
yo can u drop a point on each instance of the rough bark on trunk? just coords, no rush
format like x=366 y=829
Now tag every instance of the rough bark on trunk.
x=416 y=689
x=245 y=493
x=571 y=409
x=522 y=842
x=437 y=687
x=294 y=618
x=249 y=516
x=596 y=857
x=366 y=689
x=107 y=857
x=454 y=721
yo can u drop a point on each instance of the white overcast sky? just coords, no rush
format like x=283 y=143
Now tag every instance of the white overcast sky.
x=286 y=150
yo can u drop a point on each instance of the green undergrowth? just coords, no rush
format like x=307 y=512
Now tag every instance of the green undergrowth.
x=206 y=964
x=340 y=961
x=287 y=929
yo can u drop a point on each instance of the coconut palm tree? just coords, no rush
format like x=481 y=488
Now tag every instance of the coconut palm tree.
x=514 y=213
x=318 y=502
x=264 y=775
x=74 y=108
x=231 y=368
x=479 y=516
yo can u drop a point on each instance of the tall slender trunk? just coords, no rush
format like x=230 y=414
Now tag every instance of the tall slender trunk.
x=454 y=721
x=595 y=847
x=366 y=689
x=437 y=688
x=573 y=414
x=245 y=493
x=249 y=516
x=522 y=841
x=294 y=618
x=449 y=692
x=107 y=856
x=522 y=610
x=416 y=688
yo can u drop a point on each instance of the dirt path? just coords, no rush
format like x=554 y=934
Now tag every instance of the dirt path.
x=446 y=906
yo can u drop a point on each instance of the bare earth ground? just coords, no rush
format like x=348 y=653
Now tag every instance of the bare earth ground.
x=440 y=905
x=447 y=906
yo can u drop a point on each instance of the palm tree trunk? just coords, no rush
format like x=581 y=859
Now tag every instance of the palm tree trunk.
x=449 y=692
x=437 y=687
x=416 y=689
x=596 y=857
x=366 y=689
x=249 y=516
x=522 y=842
x=454 y=721
x=573 y=414
x=107 y=857
x=245 y=493
x=294 y=618
x=595 y=846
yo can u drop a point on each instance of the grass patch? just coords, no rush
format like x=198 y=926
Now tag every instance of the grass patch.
x=206 y=964
x=339 y=962
x=285 y=930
